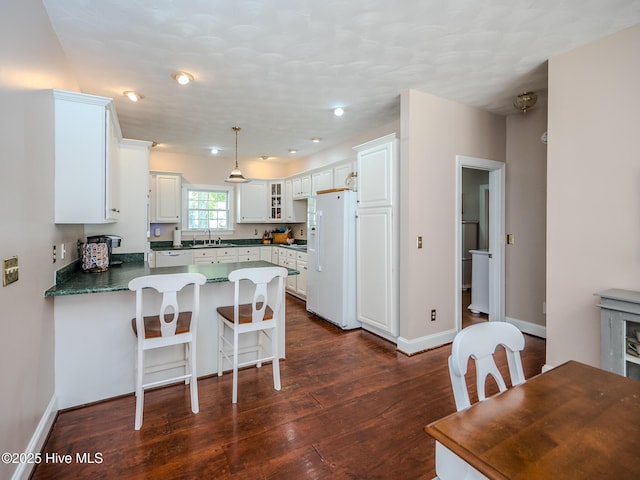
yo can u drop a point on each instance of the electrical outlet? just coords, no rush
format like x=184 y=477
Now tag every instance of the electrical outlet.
x=301 y=232
x=433 y=315
x=510 y=239
x=53 y=253
x=63 y=251
x=9 y=271
x=420 y=241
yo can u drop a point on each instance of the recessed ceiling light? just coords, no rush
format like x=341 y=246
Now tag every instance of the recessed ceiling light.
x=316 y=139
x=133 y=96
x=338 y=112
x=264 y=157
x=183 y=78
x=292 y=151
x=214 y=150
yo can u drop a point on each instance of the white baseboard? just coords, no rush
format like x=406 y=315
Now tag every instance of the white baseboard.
x=37 y=440
x=428 y=342
x=528 y=327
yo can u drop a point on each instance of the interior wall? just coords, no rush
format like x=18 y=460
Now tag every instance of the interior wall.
x=435 y=130
x=211 y=170
x=593 y=189
x=31 y=59
x=525 y=217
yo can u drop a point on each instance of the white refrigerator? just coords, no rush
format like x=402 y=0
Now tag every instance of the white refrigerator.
x=331 y=259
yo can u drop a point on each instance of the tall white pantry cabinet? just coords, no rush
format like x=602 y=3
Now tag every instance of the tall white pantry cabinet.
x=377 y=230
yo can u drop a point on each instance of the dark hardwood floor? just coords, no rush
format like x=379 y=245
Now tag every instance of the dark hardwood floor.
x=351 y=407
x=469 y=318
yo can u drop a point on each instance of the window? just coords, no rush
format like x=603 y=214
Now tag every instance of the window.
x=207 y=207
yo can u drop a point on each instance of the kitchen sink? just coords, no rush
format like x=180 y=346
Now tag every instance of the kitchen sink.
x=212 y=245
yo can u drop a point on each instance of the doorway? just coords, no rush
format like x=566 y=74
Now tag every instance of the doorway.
x=489 y=198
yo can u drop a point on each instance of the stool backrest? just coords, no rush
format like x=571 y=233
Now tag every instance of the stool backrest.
x=168 y=285
x=260 y=277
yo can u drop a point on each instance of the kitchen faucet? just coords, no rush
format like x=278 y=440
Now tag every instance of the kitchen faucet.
x=209 y=232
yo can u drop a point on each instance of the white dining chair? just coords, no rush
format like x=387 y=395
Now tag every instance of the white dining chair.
x=258 y=317
x=168 y=326
x=479 y=342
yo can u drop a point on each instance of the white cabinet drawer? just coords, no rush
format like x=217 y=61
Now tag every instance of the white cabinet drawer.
x=301 y=256
x=245 y=251
x=249 y=258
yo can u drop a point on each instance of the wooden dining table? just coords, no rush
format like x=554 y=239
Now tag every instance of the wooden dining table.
x=572 y=422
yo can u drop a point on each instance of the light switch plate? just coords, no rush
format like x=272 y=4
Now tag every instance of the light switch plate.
x=9 y=271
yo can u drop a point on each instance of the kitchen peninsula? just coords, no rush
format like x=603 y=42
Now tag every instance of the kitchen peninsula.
x=94 y=342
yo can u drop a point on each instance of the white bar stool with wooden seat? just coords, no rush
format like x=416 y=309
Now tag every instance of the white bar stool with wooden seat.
x=259 y=316
x=169 y=327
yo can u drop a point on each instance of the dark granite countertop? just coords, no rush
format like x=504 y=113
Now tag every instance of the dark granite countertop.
x=115 y=279
x=300 y=245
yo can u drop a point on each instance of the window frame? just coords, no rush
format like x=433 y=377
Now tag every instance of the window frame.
x=207 y=188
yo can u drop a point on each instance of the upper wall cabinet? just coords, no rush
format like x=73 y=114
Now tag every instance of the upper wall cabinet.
x=342 y=175
x=86 y=136
x=252 y=202
x=377 y=177
x=276 y=201
x=322 y=180
x=295 y=210
x=301 y=186
x=165 y=192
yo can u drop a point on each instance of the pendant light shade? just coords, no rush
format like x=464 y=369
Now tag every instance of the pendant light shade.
x=236 y=175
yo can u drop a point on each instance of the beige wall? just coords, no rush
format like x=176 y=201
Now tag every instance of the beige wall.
x=30 y=59
x=434 y=131
x=593 y=189
x=525 y=217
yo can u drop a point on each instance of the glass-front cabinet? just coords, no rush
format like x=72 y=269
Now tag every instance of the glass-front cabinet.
x=276 y=201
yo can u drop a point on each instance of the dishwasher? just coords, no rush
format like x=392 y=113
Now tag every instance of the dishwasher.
x=173 y=258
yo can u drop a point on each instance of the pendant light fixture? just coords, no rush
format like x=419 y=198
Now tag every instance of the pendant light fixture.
x=236 y=175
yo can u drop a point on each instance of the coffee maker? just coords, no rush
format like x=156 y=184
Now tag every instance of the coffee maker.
x=112 y=241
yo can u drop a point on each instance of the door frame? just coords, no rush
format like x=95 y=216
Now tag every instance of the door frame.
x=496 y=235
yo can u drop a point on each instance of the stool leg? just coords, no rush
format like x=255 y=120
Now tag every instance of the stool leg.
x=234 y=396
x=139 y=389
x=195 y=404
x=275 y=351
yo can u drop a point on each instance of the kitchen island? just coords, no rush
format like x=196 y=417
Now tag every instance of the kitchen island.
x=94 y=342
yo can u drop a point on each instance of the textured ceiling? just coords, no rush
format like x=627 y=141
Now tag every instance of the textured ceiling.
x=276 y=68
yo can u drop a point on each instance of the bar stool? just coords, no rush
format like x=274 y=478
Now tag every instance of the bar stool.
x=169 y=327
x=259 y=316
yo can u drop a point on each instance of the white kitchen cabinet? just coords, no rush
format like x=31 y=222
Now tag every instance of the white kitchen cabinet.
x=295 y=210
x=86 y=142
x=322 y=180
x=302 y=186
x=165 y=192
x=301 y=280
x=377 y=232
x=252 y=202
x=341 y=173
x=265 y=254
x=276 y=202
x=227 y=254
x=248 y=254
x=205 y=255
x=378 y=172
